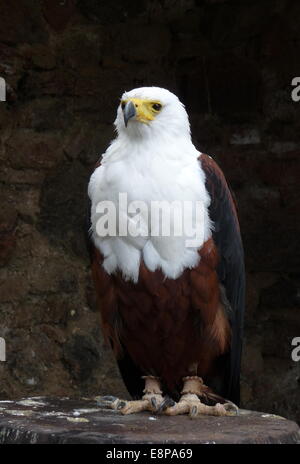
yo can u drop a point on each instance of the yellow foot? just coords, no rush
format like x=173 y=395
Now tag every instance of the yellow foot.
x=152 y=400
x=190 y=404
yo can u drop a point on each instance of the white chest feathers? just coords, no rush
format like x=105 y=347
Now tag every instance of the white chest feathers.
x=151 y=207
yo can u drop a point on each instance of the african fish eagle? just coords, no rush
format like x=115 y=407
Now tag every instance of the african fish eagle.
x=171 y=308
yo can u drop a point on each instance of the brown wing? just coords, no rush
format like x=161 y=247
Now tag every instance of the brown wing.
x=231 y=272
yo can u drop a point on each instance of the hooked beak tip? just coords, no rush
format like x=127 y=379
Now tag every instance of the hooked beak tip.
x=129 y=112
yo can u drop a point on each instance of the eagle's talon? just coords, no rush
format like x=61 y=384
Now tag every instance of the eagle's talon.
x=150 y=401
x=166 y=403
x=191 y=404
x=231 y=409
x=193 y=412
x=121 y=405
x=154 y=403
x=107 y=402
x=108 y=398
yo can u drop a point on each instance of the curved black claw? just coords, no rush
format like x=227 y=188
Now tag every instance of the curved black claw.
x=166 y=403
x=154 y=402
x=106 y=401
x=193 y=412
x=231 y=408
x=108 y=398
x=121 y=405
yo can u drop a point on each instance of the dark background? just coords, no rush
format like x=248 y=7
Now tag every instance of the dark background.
x=66 y=64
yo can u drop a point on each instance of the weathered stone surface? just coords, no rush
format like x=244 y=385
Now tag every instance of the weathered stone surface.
x=57 y=82
x=44 y=114
x=26 y=149
x=13 y=286
x=223 y=84
x=58 y=13
x=8 y=223
x=81 y=47
x=113 y=12
x=20 y=21
x=64 y=195
x=49 y=420
x=40 y=55
x=82 y=355
x=85 y=143
x=142 y=42
x=233 y=23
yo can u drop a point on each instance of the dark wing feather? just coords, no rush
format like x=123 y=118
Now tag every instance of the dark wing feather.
x=131 y=375
x=231 y=271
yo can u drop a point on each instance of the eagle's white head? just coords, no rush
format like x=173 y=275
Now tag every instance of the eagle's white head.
x=151 y=112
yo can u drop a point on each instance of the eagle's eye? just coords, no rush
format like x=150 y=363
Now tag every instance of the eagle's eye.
x=156 y=106
x=123 y=104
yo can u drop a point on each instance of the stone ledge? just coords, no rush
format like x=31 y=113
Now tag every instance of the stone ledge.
x=64 y=420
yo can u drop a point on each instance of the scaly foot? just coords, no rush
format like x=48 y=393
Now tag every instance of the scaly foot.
x=152 y=400
x=190 y=403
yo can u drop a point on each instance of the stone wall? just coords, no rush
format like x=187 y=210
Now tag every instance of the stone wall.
x=66 y=65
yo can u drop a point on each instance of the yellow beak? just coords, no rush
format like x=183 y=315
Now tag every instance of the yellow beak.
x=138 y=109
